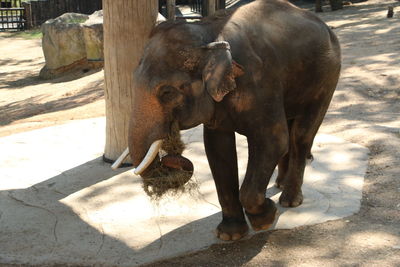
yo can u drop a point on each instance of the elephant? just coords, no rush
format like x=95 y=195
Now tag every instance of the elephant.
x=266 y=70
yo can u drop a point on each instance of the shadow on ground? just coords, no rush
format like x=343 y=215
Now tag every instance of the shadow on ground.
x=84 y=215
x=35 y=105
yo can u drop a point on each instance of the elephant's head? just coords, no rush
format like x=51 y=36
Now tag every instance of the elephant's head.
x=179 y=80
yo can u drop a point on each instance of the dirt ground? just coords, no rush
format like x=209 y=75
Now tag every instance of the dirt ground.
x=365 y=110
x=27 y=102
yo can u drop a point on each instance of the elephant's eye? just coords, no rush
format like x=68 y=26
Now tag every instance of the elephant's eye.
x=169 y=94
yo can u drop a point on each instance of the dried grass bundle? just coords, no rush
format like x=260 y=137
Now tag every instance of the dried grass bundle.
x=162 y=179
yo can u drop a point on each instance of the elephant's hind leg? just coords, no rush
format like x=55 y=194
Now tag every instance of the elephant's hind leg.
x=283 y=165
x=301 y=138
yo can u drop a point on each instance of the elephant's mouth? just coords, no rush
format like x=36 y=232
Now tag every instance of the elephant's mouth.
x=170 y=173
x=164 y=168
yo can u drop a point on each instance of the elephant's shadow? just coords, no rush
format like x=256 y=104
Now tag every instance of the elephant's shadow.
x=40 y=217
x=86 y=214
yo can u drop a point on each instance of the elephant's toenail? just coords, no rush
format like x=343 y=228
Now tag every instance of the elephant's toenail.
x=236 y=236
x=224 y=237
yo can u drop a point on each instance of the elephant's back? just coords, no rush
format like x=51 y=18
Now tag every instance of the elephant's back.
x=275 y=40
x=280 y=24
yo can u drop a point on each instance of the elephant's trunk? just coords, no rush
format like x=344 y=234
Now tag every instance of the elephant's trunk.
x=147 y=125
x=151 y=129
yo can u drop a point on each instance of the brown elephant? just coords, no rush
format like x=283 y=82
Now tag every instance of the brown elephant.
x=266 y=70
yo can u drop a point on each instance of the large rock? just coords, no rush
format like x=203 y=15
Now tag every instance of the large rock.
x=63 y=44
x=93 y=37
x=74 y=42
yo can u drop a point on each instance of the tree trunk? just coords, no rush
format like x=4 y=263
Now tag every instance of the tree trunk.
x=208 y=7
x=318 y=6
x=221 y=4
x=171 y=5
x=127 y=25
x=336 y=4
x=211 y=7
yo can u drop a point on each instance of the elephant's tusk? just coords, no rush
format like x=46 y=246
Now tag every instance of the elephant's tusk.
x=120 y=159
x=150 y=156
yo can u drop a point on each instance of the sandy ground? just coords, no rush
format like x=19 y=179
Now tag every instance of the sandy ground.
x=27 y=102
x=365 y=110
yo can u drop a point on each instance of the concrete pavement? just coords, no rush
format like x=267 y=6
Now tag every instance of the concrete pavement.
x=61 y=204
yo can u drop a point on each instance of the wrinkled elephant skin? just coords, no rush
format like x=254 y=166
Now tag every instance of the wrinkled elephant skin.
x=266 y=70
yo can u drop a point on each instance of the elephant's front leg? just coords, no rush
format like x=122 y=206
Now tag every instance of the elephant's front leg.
x=221 y=153
x=265 y=150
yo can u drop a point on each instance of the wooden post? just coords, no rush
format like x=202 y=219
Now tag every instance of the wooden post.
x=318 y=6
x=336 y=4
x=221 y=4
x=390 y=12
x=210 y=7
x=28 y=15
x=171 y=4
x=127 y=25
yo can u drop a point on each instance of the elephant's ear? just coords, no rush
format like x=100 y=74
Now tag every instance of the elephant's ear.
x=220 y=70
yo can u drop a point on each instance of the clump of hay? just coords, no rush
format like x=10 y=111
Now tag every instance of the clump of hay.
x=164 y=180
x=173 y=144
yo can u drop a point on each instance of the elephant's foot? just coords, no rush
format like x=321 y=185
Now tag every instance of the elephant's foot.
x=291 y=198
x=264 y=220
x=231 y=229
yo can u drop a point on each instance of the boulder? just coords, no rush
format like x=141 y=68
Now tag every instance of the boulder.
x=63 y=44
x=74 y=42
x=93 y=37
